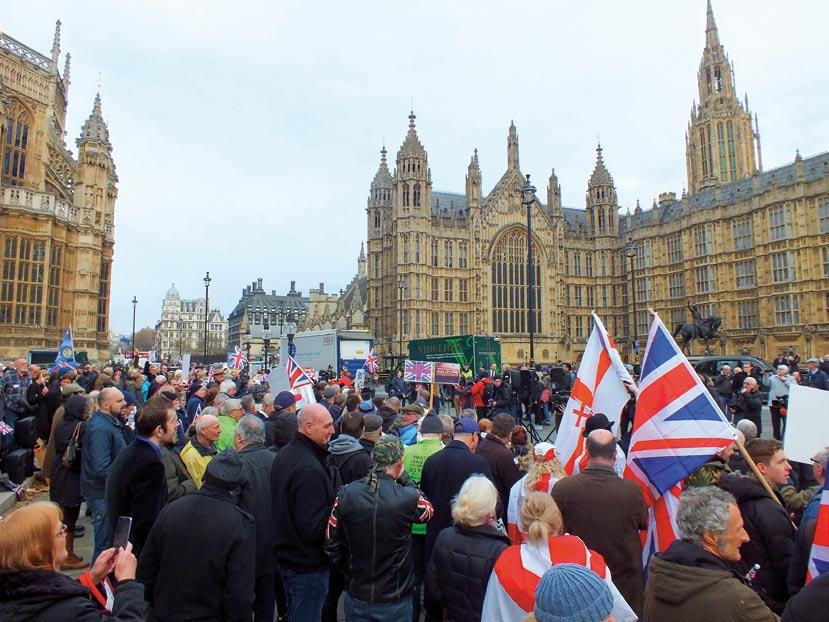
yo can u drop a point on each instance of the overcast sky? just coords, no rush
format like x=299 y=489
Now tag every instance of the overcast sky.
x=246 y=134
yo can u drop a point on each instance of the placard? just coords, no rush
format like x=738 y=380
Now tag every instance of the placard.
x=447 y=373
x=807 y=423
x=417 y=371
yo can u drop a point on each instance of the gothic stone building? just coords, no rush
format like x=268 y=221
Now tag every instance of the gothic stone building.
x=749 y=245
x=346 y=310
x=56 y=209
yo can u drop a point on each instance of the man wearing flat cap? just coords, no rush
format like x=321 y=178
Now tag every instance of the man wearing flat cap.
x=197 y=562
x=815 y=377
x=369 y=536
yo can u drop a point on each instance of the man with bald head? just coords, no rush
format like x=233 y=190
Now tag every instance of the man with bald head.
x=607 y=512
x=103 y=440
x=303 y=493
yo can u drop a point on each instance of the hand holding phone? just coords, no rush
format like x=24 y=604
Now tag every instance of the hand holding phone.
x=122 y=532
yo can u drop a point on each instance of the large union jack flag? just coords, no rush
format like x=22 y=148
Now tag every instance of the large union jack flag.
x=296 y=375
x=819 y=556
x=417 y=371
x=371 y=362
x=236 y=359
x=678 y=428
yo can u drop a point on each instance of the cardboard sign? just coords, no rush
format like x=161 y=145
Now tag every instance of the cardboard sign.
x=807 y=423
x=447 y=373
x=418 y=371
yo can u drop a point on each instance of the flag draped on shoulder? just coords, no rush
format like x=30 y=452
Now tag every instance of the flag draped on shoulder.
x=599 y=388
x=677 y=429
x=66 y=353
x=819 y=556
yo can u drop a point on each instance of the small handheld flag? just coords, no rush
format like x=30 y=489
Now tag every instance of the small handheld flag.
x=371 y=362
x=236 y=359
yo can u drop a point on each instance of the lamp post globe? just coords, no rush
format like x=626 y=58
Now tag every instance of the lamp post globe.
x=527 y=199
x=207 y=280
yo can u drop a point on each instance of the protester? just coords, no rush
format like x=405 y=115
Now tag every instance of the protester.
x=67 y=388
x=599 y=421
x=196 y=564
x=14 y=385
x=281 y=426
x=104 y=438
x=811 y=603
x=571 y=593
x=542 y=474
x=696 y=573
x=415 y=456
x=779 y=385
x=32 y=549
x=196 y=402
x=607 y=512
x=179 y=481
x=231 y=411
x=711 y=472
x=65 y=488
x=369 y=537
x=372 y=431
x=347 y=454
x=766 y=521
x=749 y=404
x=465 y=553
x=303 y=493
x=136 y=485
x=201 y=447
x=494 y=449
x=255 y=498
x=512 y=585
x=816 y=377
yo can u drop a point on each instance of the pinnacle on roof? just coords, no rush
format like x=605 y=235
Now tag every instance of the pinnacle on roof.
x=600 y=176
x=56 y=46
x=94 y=129
x=411 y=145
x=66 y=65
x=712 y=37
x=362 y=256
x=382 y=179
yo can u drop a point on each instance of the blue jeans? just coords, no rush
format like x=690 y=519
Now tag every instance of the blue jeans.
x=100 y=525
x=305 y=593
x=358 y=611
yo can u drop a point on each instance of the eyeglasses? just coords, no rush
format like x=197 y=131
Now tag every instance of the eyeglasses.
x=62 y=531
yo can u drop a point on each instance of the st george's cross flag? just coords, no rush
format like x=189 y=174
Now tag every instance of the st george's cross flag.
x=819 y=556
x=678 y=428
x=371 y=362
x=599 y=388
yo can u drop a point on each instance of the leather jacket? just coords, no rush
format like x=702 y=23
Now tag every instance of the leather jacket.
x=369 y=537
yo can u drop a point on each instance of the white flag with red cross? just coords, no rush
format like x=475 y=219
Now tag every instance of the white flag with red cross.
x=599 y=388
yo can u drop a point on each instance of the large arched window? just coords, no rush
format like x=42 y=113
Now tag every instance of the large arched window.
x=509 y=284
x=14 y=149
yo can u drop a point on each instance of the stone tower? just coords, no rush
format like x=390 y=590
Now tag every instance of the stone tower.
x=473 y=182
x=719 y=144
x=601 y=200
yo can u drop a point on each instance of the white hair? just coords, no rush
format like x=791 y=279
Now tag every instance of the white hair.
x=475 y=502
x=226 y=386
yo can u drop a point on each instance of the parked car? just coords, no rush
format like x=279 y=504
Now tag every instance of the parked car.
x=712 y=365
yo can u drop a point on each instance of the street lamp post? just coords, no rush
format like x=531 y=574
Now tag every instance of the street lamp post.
x=630 y=253
x=290 y=328
x=134 y=305
x=267 y=337
x=180 y=355
x=528 y=198
x=400 y=288
x=206 y=314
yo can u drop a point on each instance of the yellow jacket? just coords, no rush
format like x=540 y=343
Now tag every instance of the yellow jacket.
x=196 y=459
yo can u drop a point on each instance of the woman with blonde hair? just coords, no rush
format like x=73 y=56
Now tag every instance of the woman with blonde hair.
x=543 y=472
x=510 y=594
x=464 y=554
x=32 y=548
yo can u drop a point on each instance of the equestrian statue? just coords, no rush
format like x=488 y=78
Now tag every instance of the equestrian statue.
x=700 y=328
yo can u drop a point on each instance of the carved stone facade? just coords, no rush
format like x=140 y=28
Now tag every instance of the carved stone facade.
x=749 y=245
x=56 y=210
x=346 y=310
x=181 y=327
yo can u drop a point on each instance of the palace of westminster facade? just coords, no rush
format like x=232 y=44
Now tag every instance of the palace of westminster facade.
x=749 y=245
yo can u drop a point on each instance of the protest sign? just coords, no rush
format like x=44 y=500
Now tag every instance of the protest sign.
x=417 y=371
x=807 y=423
x=447 y=373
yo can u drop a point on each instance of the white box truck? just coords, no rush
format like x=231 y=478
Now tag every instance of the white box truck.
x=317 y=349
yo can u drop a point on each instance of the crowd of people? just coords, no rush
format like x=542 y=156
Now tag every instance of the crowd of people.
x=243 y=507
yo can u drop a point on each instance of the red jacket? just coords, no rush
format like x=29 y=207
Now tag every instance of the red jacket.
x=479 y=393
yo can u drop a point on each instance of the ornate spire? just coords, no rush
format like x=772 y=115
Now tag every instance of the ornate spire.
x=712 y=37
x=474 y=161
x=411 y=146
x=95 y=129
x=66 y=71
x=512 y=147
x=362 y=256
x=600 y=176
x=382 y=179
x=56 y=47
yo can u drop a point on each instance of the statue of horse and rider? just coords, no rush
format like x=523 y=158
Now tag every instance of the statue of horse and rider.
x=700 y=328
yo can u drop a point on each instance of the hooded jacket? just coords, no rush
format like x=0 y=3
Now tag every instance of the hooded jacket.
x=686 y=580
x=772 y=538
x=49 y=596
x=349 y=458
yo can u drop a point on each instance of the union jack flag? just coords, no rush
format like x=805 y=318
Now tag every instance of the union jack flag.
x=371 y=362
x=417 y=371
x=236 y=359
x=5 y=428
x=819 y=556
x=296 y=376
x=678 y=428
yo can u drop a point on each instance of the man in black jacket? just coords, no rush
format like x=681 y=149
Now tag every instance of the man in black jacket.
x=196 y=564
x=280 y=428
x=369 y=536
x=303 y=493
x=501 y=462
x=816 y=377
x=766 y=521
x=749 y=404
x=136 y=485
x=255 y=498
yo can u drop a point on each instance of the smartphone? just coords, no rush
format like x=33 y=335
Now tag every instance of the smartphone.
x=122 y=532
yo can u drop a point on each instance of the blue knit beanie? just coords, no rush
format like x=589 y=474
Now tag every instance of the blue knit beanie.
x=572 y=593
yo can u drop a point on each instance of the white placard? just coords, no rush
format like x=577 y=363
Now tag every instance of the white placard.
x=807 y=423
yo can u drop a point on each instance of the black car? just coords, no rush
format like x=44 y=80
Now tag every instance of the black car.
x=711 y=366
